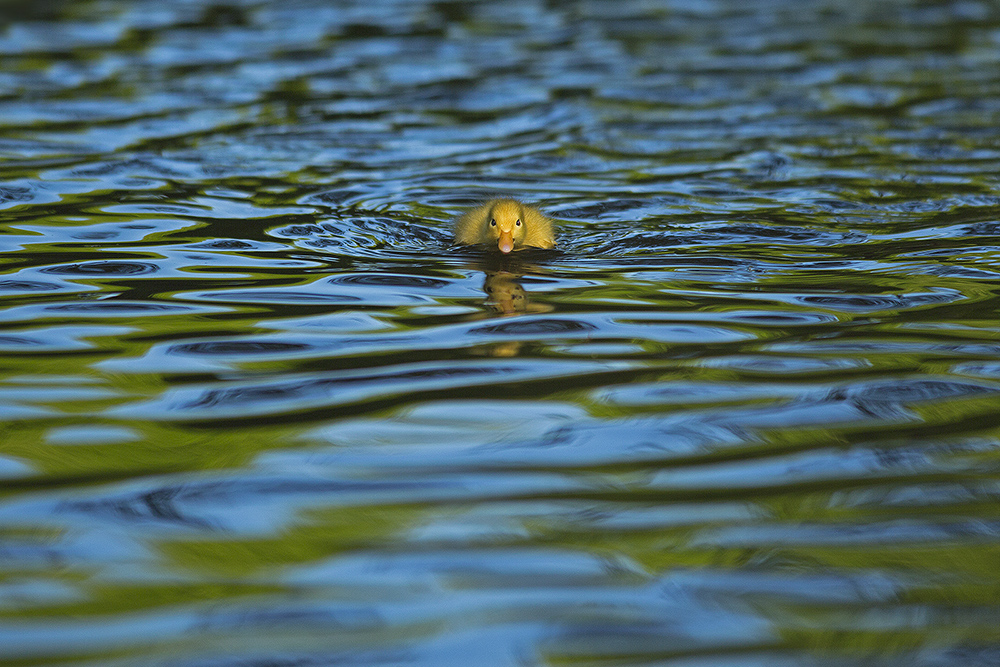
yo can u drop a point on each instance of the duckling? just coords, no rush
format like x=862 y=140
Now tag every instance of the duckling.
x=507 y=223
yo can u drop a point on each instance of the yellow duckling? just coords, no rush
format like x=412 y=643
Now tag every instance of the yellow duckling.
x=507 y=223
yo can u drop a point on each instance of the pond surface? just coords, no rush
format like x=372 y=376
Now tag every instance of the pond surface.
x=257 y=410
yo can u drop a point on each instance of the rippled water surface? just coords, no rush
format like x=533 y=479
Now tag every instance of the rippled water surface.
x=257 y=410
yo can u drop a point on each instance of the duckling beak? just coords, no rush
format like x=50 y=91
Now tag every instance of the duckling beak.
x=506 y=242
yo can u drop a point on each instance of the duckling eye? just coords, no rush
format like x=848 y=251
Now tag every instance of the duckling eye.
x=518 y=223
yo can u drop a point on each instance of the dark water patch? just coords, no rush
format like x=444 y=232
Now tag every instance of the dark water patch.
x=784 y=365
x=336 y=197
x=842 y=205
x=601 y=209
x=876 y=347
x=368 y=237
x=200 y=505
x=91 y=234
x=301 y=658
x=144 y=166
x=14 y=194
x=637 y=242
x=223 y=244
x=18 y=286
x=198 y=356
x=776 y=318
x=976 y=654
x=964 y=273
x=675 y=329
x=301 y=230
x=855 y=303
x=688 y=392
x=751 y=233
x=117 y=307
x=321 y=347
x=719 y=193
x=990 y=369
x=864 y=303
x=84 y=310
x=13 y=342
x=984 y=229
x=473 y=566
x=106 y=268
x=535 y=326
x=388 y=280
x=272 y=296
x=907 y=391
x=884 y=533
x=303 y=616
x=231 y=347
x=629 y=242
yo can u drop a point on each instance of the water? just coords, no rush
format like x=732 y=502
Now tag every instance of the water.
x=256 y=410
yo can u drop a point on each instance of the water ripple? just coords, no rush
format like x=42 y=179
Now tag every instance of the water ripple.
x=105 y=268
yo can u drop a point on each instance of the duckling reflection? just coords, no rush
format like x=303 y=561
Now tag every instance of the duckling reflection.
x=504 y=292
x=507 y=297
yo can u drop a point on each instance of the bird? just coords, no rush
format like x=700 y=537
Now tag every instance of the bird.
x=505 y=224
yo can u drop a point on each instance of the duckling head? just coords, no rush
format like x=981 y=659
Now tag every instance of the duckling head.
x=505 y=224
